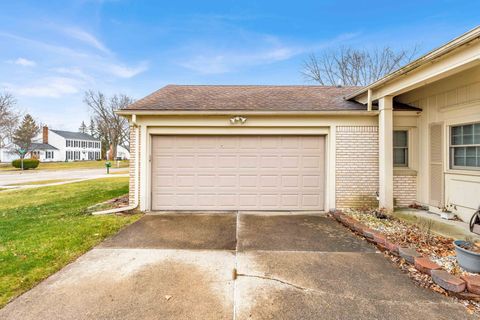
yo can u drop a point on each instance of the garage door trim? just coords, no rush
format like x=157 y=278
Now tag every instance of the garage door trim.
x=320 y=133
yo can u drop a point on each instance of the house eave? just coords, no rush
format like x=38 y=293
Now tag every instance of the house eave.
x=244 y=112
x=431 y=56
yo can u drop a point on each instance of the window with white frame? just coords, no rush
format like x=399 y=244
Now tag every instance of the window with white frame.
x=400 y=148
x=465 y=146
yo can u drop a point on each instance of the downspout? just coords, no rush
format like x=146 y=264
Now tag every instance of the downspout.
x=136 y=194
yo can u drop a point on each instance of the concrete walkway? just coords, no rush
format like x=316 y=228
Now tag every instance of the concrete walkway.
x=44 y=175
x=232 y=266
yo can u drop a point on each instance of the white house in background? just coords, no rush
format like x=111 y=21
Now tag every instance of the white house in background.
x=43 y=152
x=71 y=146
x=123 y=153
x=57 y=145
x=6 y=155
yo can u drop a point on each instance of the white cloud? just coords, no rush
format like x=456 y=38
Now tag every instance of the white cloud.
x=51 y=87
x=87 y=38
x=231 y=60
x=25 y=62
x=74 y=71
x=88 y=65
x=123 y=71
x=261 y=49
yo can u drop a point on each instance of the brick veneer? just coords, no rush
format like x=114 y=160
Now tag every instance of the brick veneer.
x=356 y=166
x=404 y=189
x=132 y=185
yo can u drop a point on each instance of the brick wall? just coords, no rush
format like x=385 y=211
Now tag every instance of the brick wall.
x=356 y=166
x=404 y=190
x=132 y=183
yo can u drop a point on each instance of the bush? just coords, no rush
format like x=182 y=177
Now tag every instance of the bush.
x=27 y=163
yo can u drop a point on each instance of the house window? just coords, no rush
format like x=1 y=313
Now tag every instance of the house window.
x=48 y=154
x=400 y=148
x=465 y=146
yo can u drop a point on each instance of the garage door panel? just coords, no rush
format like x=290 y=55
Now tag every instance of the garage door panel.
x=206 y=161
x=312 y=162
x=248 y=200
x=290 y=162
x=238 y=172
x=290 y=181
x=207 y=180
x=247 y=180
x=205 y=200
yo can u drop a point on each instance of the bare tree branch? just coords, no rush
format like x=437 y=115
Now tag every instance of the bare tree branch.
x=354 y=67
x=8 y=118
x=111 y=128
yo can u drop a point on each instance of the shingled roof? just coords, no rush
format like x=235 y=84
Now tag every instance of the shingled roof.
x=75 y=135
x=248 y=98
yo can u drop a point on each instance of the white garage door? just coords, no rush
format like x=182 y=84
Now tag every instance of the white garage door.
x=238 y=172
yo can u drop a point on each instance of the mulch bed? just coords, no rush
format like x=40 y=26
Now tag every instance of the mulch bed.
x=114 y=203
x=438 y=248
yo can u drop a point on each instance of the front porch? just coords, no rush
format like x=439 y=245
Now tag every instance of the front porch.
x=431 y=156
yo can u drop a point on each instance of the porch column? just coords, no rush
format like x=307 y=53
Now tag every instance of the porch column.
x=385 y=141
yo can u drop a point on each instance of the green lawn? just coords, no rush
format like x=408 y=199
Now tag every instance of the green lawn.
x=67 y=165
x=43 y=229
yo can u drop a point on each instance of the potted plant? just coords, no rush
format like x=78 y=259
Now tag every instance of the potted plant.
x=468 y=255
x=446 y=213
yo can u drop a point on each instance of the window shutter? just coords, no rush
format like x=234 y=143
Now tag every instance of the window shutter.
x=436 y=165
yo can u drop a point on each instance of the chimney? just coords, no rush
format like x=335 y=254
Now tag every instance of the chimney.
x=45 y=134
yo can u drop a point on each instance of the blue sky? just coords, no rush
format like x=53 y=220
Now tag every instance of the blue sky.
x=52 y=51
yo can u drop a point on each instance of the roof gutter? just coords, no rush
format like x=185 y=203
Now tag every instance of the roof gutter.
x=430 y=56
x=135 y=113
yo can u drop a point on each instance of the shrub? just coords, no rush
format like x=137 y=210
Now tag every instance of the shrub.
x=27 y=163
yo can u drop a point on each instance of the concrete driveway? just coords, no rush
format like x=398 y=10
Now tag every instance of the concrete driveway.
x=181 y=266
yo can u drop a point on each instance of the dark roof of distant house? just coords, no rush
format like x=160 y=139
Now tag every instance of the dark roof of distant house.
x=249 y=98
x=42 y=146
x=74 y=135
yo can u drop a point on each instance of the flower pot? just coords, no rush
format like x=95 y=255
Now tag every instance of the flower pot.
x=447 y=215
x=467 y=259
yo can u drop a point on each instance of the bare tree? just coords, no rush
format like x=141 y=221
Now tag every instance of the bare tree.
x=8 y=118
x=112 y=129
x=354 y=67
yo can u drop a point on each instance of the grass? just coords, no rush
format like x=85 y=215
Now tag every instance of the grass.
x=34 y=183
x=67 y=165
x=43 y=229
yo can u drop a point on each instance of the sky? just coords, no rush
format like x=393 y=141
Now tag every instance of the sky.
x=53 y=51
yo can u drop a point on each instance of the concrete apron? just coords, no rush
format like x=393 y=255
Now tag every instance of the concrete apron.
x=182 y=267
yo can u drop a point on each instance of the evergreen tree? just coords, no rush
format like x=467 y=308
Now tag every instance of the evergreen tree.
x=91 y=128
x=83 y=128
x=24 y=134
